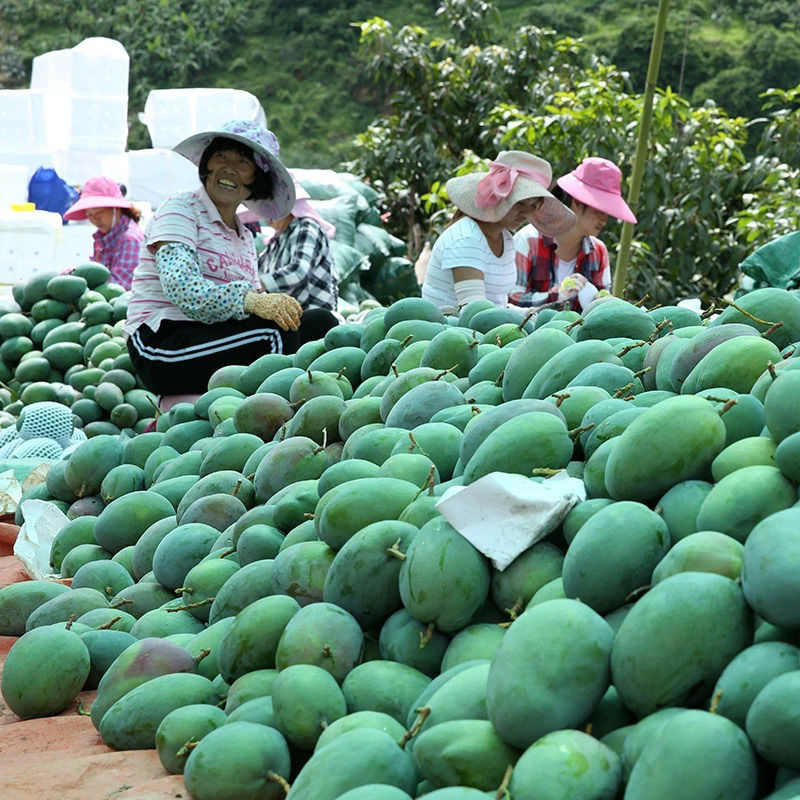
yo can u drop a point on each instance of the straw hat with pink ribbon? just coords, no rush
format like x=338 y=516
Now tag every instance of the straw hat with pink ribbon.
x=596 y=182
x=513 y=176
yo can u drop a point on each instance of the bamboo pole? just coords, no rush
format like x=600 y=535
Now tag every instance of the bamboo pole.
x=623 y=255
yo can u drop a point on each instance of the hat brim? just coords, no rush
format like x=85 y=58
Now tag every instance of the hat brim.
x=552 y=218
x=610 y=203
x=283 y=196
x=77 y=210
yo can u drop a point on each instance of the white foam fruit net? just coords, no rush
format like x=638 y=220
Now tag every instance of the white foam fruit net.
x=49 y=420
x=40 y=447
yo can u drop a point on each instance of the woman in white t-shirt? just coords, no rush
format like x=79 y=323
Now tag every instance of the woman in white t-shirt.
x=474 y=256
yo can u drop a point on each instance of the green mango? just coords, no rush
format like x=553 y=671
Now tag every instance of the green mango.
x=131 y=722
x=464 y=752
x=706 y=614
x=180 y=550
x=142 y=597
x=741 y=499
x=769 y=304
x=614 y=554
x=300 y=571
x=30 y=686
x=383 y=686
x=259 y=709
x=357 y=503
x=771 y=555
x=550 y=671
x=513 y=588
x=408 y=641
x=371 y=720
x=251 y=642
x=139 y=663
x=294 y=459
x=324 y=635
x=363 y=577
x=771 y=720
x=734 y=364
x=525 y=442
x=673 y=441
x=679 y=506
x=439 y=441
x=355 y=758
x=476 y=641
x=748 y=673
x=124 y=520
x=202 y=583
x=63 y=605
x=704 y=551
x=19 y=600
x=443 y=578
x=238 y=761
x=257 y=683
x=694 y=755
x=182 y=725
x=305 y=699
x=745 y=452
x=565 y=364
x=90 y=462
x=548 y=769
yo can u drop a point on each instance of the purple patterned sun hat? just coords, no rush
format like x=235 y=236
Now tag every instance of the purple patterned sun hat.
x=266 y=155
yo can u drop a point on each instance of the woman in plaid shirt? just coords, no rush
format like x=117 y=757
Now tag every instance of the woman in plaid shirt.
x=298 y=260
x=574 y=266
x=118 y=238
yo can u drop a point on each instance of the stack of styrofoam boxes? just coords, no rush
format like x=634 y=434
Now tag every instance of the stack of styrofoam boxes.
x=29 y=243
x=170 y=116
x=23 y=132
x=86 y=108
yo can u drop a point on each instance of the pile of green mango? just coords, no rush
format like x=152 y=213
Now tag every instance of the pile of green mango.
x=61 y=340
x=264 y=591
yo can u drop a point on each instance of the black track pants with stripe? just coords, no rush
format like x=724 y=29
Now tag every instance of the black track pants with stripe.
x=180 y=357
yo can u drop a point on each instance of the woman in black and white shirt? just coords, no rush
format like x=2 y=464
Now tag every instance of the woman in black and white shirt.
x=298 y=260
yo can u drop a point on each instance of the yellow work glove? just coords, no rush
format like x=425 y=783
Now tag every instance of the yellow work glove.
x=276 y=306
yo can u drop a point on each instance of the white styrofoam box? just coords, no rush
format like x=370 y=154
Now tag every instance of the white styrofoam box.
x=158 y=174
x=173 y=114
x=13 y=184
x=99 y=124
x=28 y=243
x=97 y=65
x=77 y=166
x=74 y=245
x=31 y=160
x=86 y=90
x=23 y=120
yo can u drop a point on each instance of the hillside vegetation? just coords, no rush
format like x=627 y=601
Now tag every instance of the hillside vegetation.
x=302 y=59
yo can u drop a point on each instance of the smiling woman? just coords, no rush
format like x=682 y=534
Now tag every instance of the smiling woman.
x=196 y=303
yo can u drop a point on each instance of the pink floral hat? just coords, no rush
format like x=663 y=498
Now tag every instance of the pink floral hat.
x=97 y=192
x=266 y=154
x=596 y=182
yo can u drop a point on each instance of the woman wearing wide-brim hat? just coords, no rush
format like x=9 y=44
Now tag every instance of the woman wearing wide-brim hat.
x=474 y=256
x=196 y=303
x=573 y=266
x=118 y=238
x=298 y=259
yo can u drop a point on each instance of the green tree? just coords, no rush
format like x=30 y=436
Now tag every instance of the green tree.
x=451 y=102
x=441 y=91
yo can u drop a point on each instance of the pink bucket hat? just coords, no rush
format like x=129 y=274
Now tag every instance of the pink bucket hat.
x=266 y=154
x=596 y=182
x=513 y=176
x=97 y=192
